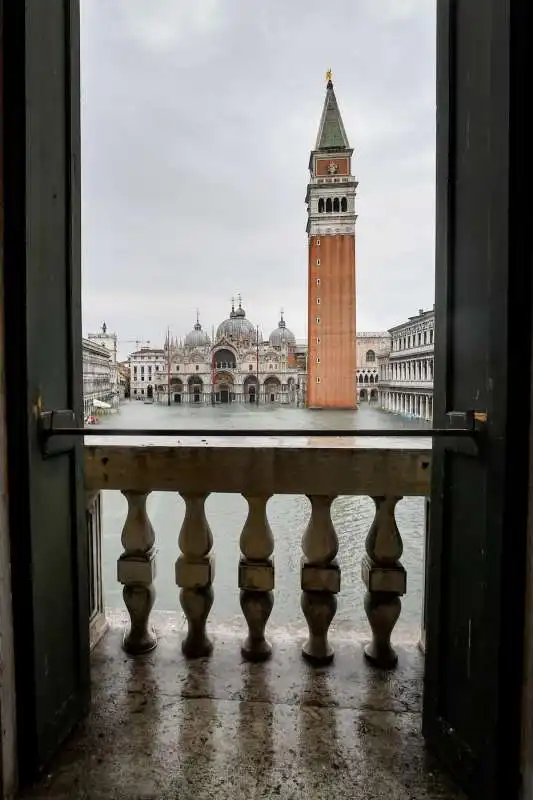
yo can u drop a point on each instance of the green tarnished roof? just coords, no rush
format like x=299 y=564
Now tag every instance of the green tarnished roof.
x=331 y=133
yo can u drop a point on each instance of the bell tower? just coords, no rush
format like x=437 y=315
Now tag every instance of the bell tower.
x=330 y=199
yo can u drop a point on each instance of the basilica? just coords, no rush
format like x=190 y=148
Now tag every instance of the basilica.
x=236 y=364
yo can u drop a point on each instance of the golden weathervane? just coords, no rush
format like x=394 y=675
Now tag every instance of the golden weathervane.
x=328 y=76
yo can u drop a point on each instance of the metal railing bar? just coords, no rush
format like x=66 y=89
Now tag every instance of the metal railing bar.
x=262 y=433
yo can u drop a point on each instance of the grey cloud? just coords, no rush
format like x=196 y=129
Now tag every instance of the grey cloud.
x=197 y=122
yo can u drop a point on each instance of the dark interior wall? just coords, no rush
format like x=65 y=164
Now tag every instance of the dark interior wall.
x=527 y=705
x=8 y=772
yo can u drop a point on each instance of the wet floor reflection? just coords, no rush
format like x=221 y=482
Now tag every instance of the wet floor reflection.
x=198 y=722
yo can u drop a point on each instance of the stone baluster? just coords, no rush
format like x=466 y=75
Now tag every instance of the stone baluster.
x=195 y=570
x=256 y=578
x=136 y=571
x=320 y=579
x=385 y=579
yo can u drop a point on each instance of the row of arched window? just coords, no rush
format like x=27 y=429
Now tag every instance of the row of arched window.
x=414 y=340
x=332 y=205
x=368 y=379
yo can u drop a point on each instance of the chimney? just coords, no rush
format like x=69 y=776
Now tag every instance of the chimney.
x=420 y=312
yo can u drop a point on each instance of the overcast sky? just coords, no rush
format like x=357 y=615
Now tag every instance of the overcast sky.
x=197 y=122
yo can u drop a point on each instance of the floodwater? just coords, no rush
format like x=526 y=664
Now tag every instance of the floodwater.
x=288 y=516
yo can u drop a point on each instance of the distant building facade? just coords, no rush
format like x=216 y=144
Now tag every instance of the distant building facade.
x=123 y=369
x=97 y=375
x=237 y=366
x=370 y=346
x=406 y=370
x=148 y=370
x=109 y=341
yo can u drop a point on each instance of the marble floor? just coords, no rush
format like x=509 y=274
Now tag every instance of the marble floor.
x=161 y=727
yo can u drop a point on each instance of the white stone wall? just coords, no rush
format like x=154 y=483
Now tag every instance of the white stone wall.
x=369 y=347
x=406 y=370
x=97 y=376
x=148 y=368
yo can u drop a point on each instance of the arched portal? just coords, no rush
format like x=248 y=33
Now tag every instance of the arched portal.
x=196 y=387
x=176 y=389
x=223 y=387
x=150 y=391
x=363 y=395
x=272 y=388
x=250 y=389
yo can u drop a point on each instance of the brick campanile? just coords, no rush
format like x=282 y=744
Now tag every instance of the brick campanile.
x=330 y=199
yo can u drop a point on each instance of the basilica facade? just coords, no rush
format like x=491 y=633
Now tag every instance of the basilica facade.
x=236 y=365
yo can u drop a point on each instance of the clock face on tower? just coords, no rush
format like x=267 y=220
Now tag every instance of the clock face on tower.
x=333 y=168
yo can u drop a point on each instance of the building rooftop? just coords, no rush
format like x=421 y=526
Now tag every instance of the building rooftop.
x=331 y=132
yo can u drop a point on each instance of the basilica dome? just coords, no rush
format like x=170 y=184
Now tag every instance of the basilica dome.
x=197 y=337
x=282 y=335
x=237 y=326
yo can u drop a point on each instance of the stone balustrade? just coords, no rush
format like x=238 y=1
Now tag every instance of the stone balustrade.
x=320 y=469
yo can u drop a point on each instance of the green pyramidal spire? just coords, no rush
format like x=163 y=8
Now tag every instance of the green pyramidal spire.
x=331 y=133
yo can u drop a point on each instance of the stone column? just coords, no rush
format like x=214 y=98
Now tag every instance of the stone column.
x=256 y=578
x=136 y=571
x=195 y=569
x=385 y=579
x=320 y=579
